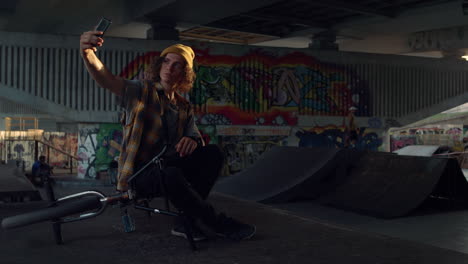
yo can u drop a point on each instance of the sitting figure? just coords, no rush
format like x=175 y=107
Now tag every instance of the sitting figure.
x=156 y=114
x=40 y=170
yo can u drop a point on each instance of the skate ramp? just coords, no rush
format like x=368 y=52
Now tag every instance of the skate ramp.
x=391 y=186
x=288 y=173
x=14 y=186
x=381 y=184
x=417 y=150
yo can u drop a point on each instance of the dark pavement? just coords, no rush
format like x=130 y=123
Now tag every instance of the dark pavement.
x=281 y=238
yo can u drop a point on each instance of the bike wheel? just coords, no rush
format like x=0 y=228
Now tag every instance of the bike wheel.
x=62 y=209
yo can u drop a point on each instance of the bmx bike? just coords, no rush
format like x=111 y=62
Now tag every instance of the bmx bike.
x=89 y=204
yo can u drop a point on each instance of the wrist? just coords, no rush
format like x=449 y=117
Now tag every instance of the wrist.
x=197 y=140
x=86 y=52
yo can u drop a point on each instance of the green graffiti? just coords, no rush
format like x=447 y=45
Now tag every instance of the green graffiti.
x=208 y=134
x=108 y=140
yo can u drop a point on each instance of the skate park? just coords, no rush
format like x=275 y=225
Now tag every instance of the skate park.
x=343 y=128
x=286 y=221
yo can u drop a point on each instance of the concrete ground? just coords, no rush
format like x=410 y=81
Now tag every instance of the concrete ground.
x=290 y=233
x=441 y=228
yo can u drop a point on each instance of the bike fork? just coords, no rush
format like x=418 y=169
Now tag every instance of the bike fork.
x=56 y=225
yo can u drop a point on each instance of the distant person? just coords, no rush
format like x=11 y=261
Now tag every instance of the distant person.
x=37 y=165
x=40 y=169
x=351 y=130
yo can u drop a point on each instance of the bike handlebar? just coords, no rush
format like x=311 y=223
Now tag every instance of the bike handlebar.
x=66 y=206
x=73 y=207
x=75 y=204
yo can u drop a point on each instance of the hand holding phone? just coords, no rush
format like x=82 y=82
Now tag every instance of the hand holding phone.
x=103 y=25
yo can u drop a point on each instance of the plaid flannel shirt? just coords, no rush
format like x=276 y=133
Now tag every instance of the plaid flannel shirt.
x=133 y=130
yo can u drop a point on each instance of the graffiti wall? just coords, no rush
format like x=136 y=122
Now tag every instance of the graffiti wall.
x=21 y=151
x=98 y=145
x=259 y=88
x=109 y=139
x=208 y=134
x=24 y=150
x=66 y=142
x=245 y=103
x=339 y=137
x=249 y=102
x=451 y=136
x=243 y=145
x=242 y=151
x=87 y=145
x=400 y=141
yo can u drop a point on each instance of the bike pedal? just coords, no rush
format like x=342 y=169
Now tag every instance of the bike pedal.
x=128 y=223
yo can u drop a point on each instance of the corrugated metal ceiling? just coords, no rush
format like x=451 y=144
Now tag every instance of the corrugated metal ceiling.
x=283 y=18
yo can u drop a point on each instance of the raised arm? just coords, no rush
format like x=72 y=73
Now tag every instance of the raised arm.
x=89 y=42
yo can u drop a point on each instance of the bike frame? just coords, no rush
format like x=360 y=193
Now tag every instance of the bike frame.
x=123 y=198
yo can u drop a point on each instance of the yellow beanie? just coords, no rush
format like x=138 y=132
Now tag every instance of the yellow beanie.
x=185 y=51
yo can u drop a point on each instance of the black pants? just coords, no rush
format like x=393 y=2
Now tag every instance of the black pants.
x=188 y=182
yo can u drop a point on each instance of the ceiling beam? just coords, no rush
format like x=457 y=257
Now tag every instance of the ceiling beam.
x=205 y=31
x=248 y=39
x=354 y=8
x=246 y=29
x=204 y=12
x=292 y=20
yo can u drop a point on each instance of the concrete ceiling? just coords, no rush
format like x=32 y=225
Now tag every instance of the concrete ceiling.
x=412 y=27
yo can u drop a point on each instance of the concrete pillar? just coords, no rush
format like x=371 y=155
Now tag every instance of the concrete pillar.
x=162 y=31
x=465 y=7
x=324 y=40
x=2 y=123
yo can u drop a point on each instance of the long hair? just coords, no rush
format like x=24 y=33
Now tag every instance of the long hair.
x=185 y=83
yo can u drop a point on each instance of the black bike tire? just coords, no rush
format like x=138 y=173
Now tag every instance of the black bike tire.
x=62 y=209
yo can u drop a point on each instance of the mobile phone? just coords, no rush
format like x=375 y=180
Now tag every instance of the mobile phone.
x=103 y=25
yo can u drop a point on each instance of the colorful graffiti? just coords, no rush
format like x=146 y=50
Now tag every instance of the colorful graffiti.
x=242 y=151
x=98 y=145
x=87 y=145
x=135 y=70
x=240 y=99
x=208 y=134
x=252 y=131
x=260 y=88
x=66 y=142
x=398 y=142
x=243 y=145
x=333 y=136
x=108 y=139
x=451 y=136
x=259 y=82
x=24 y=151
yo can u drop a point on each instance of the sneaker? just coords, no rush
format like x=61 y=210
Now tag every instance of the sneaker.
x=233 y=229
x=197 y=234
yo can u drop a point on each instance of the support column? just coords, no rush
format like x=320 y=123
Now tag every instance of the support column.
x=324 y=40
x=162 y=31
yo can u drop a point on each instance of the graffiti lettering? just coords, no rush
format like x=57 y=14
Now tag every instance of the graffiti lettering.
x=287 y=86
x=243 y=88
x=335 y=137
